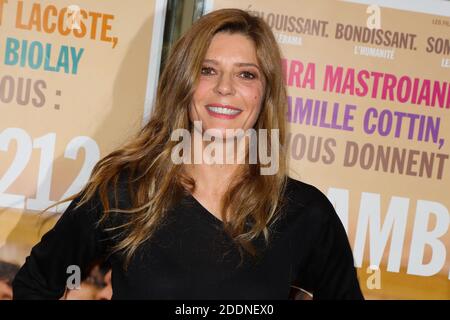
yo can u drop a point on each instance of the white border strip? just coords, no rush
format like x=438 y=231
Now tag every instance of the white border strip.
x=436 y=7
x=154 y=58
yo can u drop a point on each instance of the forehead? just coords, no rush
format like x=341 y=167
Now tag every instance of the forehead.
x=234 y=46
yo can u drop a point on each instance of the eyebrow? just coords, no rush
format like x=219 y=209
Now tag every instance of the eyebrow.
x=239 y=64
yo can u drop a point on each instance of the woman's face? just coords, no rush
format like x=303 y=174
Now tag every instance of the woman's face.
x=231 y=85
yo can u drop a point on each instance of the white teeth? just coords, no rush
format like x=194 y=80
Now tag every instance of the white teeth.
x=223 y=110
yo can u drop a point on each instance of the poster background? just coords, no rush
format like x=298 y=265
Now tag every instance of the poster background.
x=354 y=183
x=94 y=111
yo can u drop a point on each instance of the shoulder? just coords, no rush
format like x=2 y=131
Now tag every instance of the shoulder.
x=305 y=194
x=92 y=208
x=307 y=199
x=120 y=189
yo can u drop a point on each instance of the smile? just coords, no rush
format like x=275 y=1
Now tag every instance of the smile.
x=223 y=112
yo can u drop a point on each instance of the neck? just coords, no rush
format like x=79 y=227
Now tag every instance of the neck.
x=215 y=162
x=212 y=179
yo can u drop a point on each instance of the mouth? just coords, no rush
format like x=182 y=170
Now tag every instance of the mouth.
x=223 y=111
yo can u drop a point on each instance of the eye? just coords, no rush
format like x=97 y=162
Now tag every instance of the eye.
x=247 y=75
x=207 y=71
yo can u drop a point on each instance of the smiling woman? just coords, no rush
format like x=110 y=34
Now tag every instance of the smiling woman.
x=202 y=231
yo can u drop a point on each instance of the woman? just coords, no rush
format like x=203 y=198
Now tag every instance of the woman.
x=202 y=230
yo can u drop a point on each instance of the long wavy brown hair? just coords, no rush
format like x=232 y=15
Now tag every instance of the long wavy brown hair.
x=155 y=183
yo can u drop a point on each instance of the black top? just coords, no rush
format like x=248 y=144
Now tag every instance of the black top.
x=191 y=257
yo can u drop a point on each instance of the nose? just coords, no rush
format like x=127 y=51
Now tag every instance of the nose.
x=224 y=85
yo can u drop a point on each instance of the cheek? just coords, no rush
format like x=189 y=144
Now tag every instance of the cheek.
x=201 y=91
x=255 y=98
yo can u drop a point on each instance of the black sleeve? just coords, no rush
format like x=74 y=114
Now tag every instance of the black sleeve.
x=74 y=240
x=332 y=268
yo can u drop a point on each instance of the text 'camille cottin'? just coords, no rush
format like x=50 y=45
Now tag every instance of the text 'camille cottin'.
x=228 y=146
